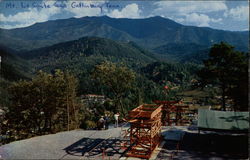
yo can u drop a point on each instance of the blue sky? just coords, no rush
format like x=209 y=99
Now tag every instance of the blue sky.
x=225 y=15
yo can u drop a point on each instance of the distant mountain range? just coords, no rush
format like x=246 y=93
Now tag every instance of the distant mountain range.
x=156 y=34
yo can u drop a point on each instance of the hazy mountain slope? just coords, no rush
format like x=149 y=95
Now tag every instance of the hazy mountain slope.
x=150 y=33
x=53 y=32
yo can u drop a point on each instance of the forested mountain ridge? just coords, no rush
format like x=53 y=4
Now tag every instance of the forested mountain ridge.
x=150 y=33
x=85 y=52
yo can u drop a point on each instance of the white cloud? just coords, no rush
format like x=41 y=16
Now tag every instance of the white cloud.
x=200 y=20
x=9 y=26
x=29 y=17
x=190 y=12
x=129 y=11
x=180 y=20
x=186 y=7
x=240 y=13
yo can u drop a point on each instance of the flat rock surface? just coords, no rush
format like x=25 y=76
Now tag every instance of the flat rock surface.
x=54 y=146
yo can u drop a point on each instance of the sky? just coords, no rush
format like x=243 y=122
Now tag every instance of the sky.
x=224 y=15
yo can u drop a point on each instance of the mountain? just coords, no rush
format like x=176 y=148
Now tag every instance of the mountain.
x=151 y=33
x=185 y=52
x=13 y=67
x=84 y=53
x=179 y=48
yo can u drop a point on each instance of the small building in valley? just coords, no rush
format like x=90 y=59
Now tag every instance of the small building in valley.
x=93 y=98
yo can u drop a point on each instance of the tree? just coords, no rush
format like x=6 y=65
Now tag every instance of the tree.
x=227 y=69
x=117 y=78
x=47 y=103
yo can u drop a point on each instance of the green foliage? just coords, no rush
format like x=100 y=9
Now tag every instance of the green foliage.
x=117 y=78
x=155 y=76
x=4 y=95
x=89 y=124
x=45 y=104
x=170 y=73
x=227 y=69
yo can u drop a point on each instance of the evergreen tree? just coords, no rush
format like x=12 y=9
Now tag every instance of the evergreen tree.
x=227 y=69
